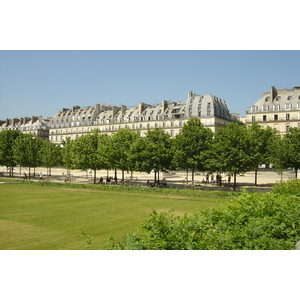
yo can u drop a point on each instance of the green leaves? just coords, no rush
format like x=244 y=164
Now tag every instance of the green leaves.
x=253 y=221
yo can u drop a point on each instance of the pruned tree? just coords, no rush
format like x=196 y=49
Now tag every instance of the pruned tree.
x=190 y=145
x=7 y=140
x=26 y=151
x=230 y=150
x=50 y=155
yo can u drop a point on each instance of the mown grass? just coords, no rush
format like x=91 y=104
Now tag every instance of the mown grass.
x=42 y=215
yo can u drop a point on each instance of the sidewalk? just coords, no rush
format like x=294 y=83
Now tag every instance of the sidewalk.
x=175 y=179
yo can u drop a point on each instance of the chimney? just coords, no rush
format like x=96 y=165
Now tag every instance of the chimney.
x=33 y=119
x=141 y=107
x=115 y=109
x=273 y=93
x=190 y=94
x=164 y=105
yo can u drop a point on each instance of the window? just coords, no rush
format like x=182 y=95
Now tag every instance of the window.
x=253 y=118
x=287 y=127
x=267 y=99
x=141 y=126
x=172 y=124
x=288 y=106
x=276 y=107
x=287 y=116
x=172 y=133
x=164 y=124
x=133 y=126
x=265 y=108
x=276 y=117
x=278 y=98
x=156 y=125
x=264 y=118
x=148 y=125
x=289 y=98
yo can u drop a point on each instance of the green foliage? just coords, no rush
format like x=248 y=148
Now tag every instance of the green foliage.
x=26 y=151
x=90 y=152
x=268 y=221
x=7 y=140
x=286 y=151
x=289 y=187
x=121 y=149
x=50 y=154
x=152 y=152
x=190 y=144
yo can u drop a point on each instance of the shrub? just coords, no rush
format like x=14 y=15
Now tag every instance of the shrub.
x=268 y=221
x=289 y=187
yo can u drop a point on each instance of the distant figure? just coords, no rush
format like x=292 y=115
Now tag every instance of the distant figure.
x=41 y=176
x=212 y=178
x=25 y=176
x=229 y=178
x=101 y=180
x=164 y=181
x=148 y=183
x=207 y=178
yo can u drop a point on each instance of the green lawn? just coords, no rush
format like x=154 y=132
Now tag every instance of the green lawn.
x=53 y=216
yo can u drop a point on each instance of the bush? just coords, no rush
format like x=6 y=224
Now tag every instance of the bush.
x=289 y=187
x=268 y=221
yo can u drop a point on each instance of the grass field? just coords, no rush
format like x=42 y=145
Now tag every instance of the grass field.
x=53 y=216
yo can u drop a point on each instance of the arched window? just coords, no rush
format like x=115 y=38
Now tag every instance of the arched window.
x=278 y=98
x=265 y=108
x=276 y=107
x=289 y=98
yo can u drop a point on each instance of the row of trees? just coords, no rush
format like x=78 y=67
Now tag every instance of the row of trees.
x=233 y=149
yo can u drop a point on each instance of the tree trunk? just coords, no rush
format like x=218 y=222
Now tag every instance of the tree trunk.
x=154 y=176
x=255 y=178
x=187 y=176
x=193 y=181
x=123 y=175
x=29 y=173
x=296 y=173
x=234 y=181
x=95 y=176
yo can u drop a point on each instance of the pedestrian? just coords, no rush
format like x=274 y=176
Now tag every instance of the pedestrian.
x=41 y=176
x=25 y=176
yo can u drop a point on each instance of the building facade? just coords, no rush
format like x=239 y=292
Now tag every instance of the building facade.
x=34 y=125
x=279 y=109
x=169 y=116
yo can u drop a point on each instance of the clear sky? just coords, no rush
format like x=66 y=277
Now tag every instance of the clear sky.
x=42 y=82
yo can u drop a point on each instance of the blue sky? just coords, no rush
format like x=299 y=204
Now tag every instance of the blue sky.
x=43 y=82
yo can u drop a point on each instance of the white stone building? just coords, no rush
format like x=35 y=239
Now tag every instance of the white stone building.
x=170 y=116
x=279 y=109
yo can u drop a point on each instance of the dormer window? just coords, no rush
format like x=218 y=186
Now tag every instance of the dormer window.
x=289 y=98
x=267 y=99
x=278 y=98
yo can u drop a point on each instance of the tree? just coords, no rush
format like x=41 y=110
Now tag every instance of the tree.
x=190 y=144
x=26 y=151
x=7 y=140
x=50 y=155
x=260 y=140
x=66 y=153
x=230 y=150
x=119 y=150
x=153 y=152
x=90 y=152
x=286 y=151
